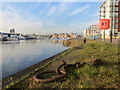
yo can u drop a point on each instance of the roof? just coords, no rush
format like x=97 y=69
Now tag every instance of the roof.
x=103 y=3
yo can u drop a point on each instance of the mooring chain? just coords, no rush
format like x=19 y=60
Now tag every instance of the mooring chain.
x=61 y=73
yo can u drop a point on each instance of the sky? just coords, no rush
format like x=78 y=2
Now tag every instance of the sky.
x=48 y=17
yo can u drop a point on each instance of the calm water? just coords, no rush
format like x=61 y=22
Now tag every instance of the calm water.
x=18 y=55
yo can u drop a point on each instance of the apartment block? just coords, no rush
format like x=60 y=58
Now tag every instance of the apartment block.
x=92 y=31
x=110 y=9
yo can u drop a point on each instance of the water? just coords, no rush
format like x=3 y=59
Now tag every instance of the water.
x=18 y=55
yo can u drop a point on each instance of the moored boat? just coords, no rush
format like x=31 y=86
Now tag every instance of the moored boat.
x=12 y=39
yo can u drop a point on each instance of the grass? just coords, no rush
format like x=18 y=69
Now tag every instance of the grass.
x=106 y=75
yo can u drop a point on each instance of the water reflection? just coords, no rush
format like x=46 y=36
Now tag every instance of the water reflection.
x=66 y=43
x=17 y=56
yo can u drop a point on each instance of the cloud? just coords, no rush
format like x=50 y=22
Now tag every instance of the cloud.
x=79 y=10
x=36 y=5
x=92 y=22
x=60 y=8
x=13 y=18
x=76 y=26
x=52 y=10
x=95 y=14
x=46 y=8
x=28 y=22
x=52 y=0
x=33 y=7
x=64 y=7
x=41 y=12
x=81 y=27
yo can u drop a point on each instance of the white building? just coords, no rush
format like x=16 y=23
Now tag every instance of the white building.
x=92 y=31
x=110 y=9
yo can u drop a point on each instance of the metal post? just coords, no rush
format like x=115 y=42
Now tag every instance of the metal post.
x=104 y=34
x=111 y=36
x=100 y=35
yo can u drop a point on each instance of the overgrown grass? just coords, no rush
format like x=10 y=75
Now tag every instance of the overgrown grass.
x=106 y=75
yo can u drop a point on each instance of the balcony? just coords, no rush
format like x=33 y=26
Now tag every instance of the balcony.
x=119 y=30
x=114 y=17
x=114 y=5
x=114 y=11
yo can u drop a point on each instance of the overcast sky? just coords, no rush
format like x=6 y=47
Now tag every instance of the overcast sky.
x=48 y=17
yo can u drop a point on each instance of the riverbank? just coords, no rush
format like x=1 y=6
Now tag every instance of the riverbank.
x=26 y=72
x=105 y=75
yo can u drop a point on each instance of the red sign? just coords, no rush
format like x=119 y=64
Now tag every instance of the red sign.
x=104 y=23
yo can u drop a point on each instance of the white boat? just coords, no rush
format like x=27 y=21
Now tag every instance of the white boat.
x=21 y=38
x=12 y=39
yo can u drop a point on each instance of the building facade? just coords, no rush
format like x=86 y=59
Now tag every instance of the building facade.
x=110 y=9
x=92 y=31
x=65 y=36
x=55 y=36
